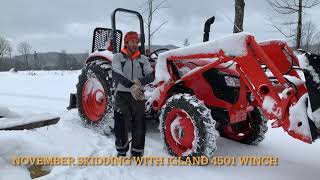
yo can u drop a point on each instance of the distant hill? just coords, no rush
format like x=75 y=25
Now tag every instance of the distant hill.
x=57 y=60
x=50 y=60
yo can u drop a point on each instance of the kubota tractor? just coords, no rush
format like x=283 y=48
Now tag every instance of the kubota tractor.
x=230 y=86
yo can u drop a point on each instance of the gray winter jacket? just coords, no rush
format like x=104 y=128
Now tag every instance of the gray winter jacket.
x=125 y=71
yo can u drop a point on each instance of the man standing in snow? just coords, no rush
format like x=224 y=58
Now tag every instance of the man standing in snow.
x=131 y=71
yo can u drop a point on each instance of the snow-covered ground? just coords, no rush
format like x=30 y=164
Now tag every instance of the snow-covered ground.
x=48 y=91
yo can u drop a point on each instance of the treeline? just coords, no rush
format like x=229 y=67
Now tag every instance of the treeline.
x=43 y=61
x=31 y=60
x=289 y=18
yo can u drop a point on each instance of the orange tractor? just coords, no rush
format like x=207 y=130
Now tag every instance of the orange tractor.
x=230 y=86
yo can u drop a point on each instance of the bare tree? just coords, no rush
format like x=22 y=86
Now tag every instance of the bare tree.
x=37 y=61
x=152 y=8
x=62 y=62
x=186 y=42
x=10 y=49
x=238 y=15
x=5 y=47
x=286 y=7
x=67 y=61
x=309 y=35
x=24 y=48
x=317 y=44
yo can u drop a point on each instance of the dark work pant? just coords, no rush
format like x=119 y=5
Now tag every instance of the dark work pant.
x=132 y=112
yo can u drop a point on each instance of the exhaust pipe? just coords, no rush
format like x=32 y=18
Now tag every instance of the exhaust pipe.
x=207 y=28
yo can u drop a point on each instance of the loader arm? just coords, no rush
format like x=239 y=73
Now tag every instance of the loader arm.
x=280 y=106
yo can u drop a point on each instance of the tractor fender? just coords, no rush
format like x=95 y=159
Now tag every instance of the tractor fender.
x=168 y=91
x=101 y=55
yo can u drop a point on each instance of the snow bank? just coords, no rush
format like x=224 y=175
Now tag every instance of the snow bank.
x=7 y=171
x=232 y=45
x=13 y=70
x=3 y=111
x=67 y=138
x=11 y=122
x=6 y=113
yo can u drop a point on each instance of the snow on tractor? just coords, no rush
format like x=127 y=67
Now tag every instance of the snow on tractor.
x=230 y=86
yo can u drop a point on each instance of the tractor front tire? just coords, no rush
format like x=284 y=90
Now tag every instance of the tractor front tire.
x=187 y=127
x=95 y=94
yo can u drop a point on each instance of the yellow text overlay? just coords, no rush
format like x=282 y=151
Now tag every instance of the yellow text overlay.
x=145 y=161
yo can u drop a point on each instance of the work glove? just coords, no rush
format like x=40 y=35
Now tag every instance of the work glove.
x=137 y=92
x=137 y=82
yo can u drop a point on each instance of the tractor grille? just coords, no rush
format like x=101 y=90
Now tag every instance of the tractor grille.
x=102 y=37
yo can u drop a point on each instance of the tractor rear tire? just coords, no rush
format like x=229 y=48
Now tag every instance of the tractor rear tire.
x=95 y=91
x=257 y=127
x=185 y=115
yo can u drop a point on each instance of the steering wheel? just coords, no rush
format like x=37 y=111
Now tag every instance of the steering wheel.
x=156 y=54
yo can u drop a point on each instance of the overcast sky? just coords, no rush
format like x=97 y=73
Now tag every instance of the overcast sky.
x=55 y=25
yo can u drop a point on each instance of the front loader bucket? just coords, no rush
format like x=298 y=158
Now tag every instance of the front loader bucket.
x=311 y=70
x=313 y=91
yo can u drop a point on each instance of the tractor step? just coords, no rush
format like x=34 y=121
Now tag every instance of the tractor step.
x=72 y=102
x=30 y=122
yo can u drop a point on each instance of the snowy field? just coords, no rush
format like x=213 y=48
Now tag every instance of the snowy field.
x=48 y=91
